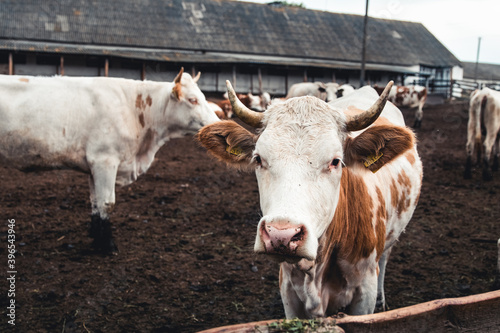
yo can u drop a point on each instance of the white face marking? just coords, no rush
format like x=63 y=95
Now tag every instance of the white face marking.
x=298 y=181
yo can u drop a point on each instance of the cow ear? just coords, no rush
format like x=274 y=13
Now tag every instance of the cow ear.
x=228 y=142
x=176 y=90
x=378 y=145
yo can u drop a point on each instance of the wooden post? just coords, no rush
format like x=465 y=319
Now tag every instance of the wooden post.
x=106 y=67
x=259 y=72
x=217 y=81
x=234 y=77
x=61 y=66
x=363 y=48
x=305 y=75
x=286 y=84
x=11 y=64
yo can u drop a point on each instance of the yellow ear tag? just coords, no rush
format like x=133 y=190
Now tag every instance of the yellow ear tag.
x=236 y=151
x=372 y=159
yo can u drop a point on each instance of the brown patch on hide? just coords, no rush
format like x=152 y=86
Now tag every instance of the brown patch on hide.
x=400 y=194
x=141 y=104
x=405 y=185
x=351 y=232
x=141 y=119
x=380 y=223
x=146 y=143
x=138 y=101
x=23 y=79
x=410 y=156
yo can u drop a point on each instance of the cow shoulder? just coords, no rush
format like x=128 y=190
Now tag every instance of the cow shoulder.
x=378 y=145
x=228 y=142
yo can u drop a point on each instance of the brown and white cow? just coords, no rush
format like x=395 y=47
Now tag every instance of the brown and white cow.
x=484 y=112
x=109 y=128
x=409 y=96
x=337 y=186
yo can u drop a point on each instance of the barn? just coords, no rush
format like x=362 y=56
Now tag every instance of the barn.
x=260 y=47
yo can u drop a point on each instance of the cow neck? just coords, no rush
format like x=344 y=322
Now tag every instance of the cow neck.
x=350 y=236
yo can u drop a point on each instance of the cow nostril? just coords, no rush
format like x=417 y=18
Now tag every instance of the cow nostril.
x=298 y=236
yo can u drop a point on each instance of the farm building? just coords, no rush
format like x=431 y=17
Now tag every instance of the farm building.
x=476 y=76
x=484 y=74
x=260 y=47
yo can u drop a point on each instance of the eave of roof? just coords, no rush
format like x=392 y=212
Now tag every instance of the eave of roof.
x=183 y=56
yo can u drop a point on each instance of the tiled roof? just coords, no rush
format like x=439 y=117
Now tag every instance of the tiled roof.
x=220 y=26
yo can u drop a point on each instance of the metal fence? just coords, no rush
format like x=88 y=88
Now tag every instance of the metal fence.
x=452 y=89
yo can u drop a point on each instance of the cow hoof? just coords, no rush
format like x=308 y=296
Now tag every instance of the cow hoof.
x=100 y=231
x=487 y=176
x=381 y=307
x=104 y=246
x=417 y=124
x=495 y=165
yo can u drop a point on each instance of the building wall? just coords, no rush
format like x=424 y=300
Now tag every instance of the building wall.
x=245 y=78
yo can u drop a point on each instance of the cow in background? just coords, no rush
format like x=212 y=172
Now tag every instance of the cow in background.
x=408 y=96
x=337 y=186
x=254 y=102
x=108 y=128
x=219 y=112
x=345 y=90
x=324 y=91
x=484 y=112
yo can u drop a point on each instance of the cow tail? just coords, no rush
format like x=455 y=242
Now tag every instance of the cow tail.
x=480 y=127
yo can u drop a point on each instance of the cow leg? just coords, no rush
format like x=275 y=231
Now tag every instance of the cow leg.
x=470 y=146
x=365 y=297
x=381 y=305
x=102 y=197
x=488 y=144
x=419 y=114
x=496 y=152
x=293 y=305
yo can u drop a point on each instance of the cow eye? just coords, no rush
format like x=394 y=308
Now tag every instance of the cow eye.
x=193 y=101
x=335 y=162
x=257 y=159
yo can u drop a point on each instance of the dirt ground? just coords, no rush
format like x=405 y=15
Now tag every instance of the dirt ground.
x=185 y=234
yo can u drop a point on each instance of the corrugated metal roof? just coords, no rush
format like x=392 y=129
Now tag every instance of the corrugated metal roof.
x=209 y=27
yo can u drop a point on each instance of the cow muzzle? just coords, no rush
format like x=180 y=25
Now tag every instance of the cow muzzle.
x=284 y=241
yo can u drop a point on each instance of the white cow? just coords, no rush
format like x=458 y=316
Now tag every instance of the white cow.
x=324 y=91
x=484 y=111
x=337 y=186
x=109 y=128
x=345 y=90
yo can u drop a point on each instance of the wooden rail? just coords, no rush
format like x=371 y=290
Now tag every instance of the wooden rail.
x=476 y=313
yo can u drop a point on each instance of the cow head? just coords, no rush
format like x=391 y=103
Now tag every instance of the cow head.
x=191 y=111
x=298 y=155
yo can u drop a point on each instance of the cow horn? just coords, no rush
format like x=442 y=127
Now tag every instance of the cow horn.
x=365 y=119
x=179 y=76
x=197 y=77
x=248 y=116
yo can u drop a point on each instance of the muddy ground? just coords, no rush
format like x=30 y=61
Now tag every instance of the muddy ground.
x=185 y=234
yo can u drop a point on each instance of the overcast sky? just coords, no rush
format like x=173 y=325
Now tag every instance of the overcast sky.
x=456 y=23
